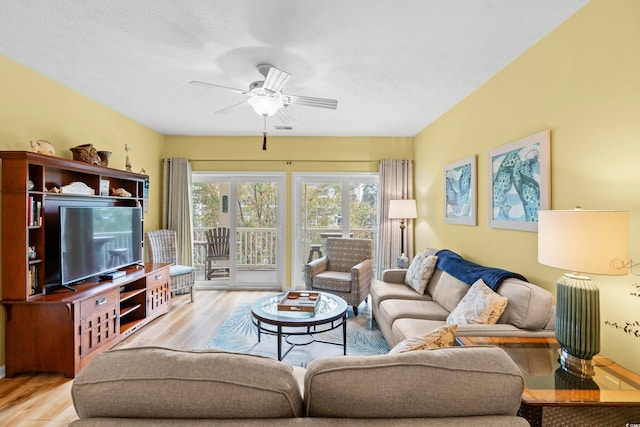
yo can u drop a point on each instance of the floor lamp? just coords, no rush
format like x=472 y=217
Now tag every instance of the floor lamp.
x=402 y=210
x=582 y=241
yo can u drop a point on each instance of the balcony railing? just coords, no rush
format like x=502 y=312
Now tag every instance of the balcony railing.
x=256 y=248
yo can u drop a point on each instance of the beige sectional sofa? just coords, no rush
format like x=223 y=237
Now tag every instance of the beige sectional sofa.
x=403 y=313
x=147 y=386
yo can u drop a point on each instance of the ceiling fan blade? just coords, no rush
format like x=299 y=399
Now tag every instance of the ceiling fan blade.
x=232 y=108
x=285 y=116
x=205 y=84
x=275 y=80
x=310 y=101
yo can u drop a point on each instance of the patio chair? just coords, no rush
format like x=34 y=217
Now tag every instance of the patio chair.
x=345 y=270
x=162 y=247
x=217 y=250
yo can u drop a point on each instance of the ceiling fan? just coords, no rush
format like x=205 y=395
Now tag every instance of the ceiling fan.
x=266 y=97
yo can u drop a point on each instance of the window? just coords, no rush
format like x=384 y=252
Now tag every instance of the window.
x=331 y=205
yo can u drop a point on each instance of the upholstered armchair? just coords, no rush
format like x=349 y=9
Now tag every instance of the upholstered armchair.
x=345 y=270
x=162 y=247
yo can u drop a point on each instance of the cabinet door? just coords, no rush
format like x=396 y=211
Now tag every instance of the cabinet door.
x=158 y=299
x=99 y=328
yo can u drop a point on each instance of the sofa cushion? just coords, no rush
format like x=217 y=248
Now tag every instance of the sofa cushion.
x=333 y=281
x=402 y=329
x=530 y=306
x=446 y=290
x=479 y=305
x=381 y=291
x=393 y=310
x=444 y=336
x=177 y=269
x=152 y=382
x=415 y=309
x=420 y=271
x=460 y=381
x=406 y=328
x=430 y=251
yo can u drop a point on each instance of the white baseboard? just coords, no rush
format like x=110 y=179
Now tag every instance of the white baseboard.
x=2 y=371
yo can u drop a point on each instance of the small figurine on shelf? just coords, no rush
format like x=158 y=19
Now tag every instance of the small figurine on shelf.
x=127 y=163
x=42 y=147
x=120 y=192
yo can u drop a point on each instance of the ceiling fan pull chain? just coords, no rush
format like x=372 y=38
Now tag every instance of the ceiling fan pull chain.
x=264 y=135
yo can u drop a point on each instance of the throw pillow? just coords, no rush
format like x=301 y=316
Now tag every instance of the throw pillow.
x=420 y=271
x=444 y=336
x=479 y=305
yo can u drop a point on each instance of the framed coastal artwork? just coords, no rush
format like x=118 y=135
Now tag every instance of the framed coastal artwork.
x=460 y=192
x=519 y=182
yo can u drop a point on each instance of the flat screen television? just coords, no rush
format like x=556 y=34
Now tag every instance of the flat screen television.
x=97 y=240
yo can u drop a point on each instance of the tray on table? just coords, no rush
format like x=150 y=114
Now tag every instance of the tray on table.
x=299 y=301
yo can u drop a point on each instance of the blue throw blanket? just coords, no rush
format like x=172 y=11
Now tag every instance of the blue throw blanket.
x=469 y=272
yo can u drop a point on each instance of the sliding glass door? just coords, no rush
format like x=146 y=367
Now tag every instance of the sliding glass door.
x=250 y=206
x=331 y=205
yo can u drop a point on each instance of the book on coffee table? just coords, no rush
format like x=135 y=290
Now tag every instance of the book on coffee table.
x=299 y=301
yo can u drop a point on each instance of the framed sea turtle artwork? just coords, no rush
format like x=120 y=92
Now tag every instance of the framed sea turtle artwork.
x=519 y=182
x=460 y=192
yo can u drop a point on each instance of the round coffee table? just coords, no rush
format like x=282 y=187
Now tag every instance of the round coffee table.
x=331 y=313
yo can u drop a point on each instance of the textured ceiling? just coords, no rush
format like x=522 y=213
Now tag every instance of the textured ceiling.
x=394 y=65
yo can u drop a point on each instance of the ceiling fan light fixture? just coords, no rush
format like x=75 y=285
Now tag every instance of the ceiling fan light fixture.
x=266 y=105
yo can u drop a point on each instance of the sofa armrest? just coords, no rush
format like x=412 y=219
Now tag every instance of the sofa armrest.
x=551 y=323
x=394 y=275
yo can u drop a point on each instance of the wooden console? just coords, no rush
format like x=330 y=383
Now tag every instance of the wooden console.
x=61 y=330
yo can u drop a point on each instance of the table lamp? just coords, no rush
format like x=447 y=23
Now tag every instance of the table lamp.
x=581 y=241
x=402 y=209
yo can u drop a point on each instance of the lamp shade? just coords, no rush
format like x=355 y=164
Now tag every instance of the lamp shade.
x=266 y=105
x=402 y=209
x=584 y=241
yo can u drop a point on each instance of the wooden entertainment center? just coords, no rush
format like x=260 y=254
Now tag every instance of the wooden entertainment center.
x=58 y=329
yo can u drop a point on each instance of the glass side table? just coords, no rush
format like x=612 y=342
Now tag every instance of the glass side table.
x=547 y=384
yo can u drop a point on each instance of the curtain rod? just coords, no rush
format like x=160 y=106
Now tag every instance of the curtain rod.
x=283 y=160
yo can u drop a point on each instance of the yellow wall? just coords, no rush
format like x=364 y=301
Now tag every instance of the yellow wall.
x=34 y=107
x=582 y=81
x=288 y=154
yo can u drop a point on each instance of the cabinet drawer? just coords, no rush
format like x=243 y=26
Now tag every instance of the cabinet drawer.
x=97 y=302
x=157 y=278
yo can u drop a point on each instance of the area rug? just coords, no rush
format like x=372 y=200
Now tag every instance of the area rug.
x=239 y=334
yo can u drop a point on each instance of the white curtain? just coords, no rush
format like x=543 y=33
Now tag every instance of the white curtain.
x=396 y=182
x=176 y=206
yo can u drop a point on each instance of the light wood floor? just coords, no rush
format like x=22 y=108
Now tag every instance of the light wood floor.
x=45 y=399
